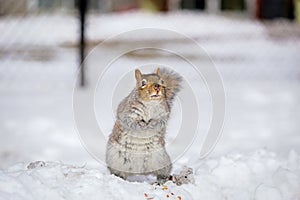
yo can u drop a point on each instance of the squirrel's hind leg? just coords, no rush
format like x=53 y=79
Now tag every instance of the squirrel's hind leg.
x=122 y=175
x=163 y=175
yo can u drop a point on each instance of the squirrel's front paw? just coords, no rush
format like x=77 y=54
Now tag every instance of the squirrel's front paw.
x=142 y=123
x=155 y=124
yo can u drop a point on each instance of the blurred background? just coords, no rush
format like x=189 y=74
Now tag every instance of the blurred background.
x=255 y=45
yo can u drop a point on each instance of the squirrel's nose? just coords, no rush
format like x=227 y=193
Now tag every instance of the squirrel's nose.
x=156 y=87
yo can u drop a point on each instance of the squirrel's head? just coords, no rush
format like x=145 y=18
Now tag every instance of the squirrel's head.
x=150 y=86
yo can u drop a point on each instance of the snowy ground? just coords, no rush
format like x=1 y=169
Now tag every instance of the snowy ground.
x=256 y=157
x=262 y=175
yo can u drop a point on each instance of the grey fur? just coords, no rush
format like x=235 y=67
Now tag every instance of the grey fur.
x=136 y=145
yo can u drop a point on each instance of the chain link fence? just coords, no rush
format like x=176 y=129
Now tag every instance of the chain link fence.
x=39 y=60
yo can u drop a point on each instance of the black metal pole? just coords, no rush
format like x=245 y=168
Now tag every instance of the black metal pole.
x=82 y=10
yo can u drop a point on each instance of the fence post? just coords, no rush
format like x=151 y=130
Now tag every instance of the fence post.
x=82 y=10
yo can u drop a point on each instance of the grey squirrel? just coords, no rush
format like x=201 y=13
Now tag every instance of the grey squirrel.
x=136 y=145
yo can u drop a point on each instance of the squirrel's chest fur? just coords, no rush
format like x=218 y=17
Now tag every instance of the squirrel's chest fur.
x=154 y=110
x=152 y=134
x=140 y=151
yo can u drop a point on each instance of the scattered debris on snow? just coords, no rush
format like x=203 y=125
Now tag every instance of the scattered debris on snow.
x=262 y=175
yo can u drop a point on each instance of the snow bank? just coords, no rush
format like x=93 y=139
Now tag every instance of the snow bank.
x=262 y=175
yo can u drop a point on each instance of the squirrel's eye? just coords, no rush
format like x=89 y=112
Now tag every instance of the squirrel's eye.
x=162 y=81
x=144 y=82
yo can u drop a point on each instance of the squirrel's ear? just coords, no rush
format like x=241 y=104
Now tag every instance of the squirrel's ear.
x=158 y=71
x=138 y=75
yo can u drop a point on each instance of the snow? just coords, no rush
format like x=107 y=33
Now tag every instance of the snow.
x=261 y=175
x=257 y=156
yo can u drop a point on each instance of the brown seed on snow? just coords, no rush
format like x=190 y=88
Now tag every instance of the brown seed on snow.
x=164 y=187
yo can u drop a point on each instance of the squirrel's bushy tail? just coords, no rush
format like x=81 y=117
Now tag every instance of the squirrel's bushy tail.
x=173 y=84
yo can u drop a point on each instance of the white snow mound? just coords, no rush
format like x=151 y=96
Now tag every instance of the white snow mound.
x=262 y=175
